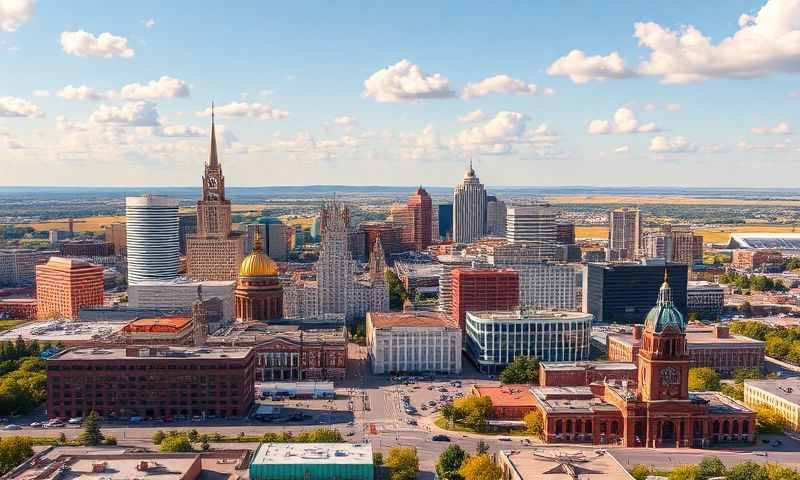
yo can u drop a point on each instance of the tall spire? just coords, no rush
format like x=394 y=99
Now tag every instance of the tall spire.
x=665 y=293
x=213 y=161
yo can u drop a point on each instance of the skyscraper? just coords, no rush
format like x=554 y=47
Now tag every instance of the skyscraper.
x=420 y=205
x=624 y=234
x=214 y=253
x=678 y=245
x=495 y=216
x=152 y=238
x=65 y=285
x=469 y=208
x=534 y=225
x=445 y=221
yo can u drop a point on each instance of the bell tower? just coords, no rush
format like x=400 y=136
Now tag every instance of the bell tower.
x=213 y=210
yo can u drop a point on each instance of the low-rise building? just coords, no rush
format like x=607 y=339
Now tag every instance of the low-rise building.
x=509 y=402
x=85 y=247
x=413 y=342
x=559 y=463
x=782 y=396
x=176 y=330
x=69 y=333
x=705 y=299
x=18 y=265
x=495 y=338
x=181 y=292
x=709 y=346
x=150 y=381
x=576 y=374
x=312 y=461
x=18 y=308
x=746 y=259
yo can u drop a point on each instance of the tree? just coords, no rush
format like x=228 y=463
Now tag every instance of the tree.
x=448 y=413
x=475 y=410
x=397 y=292
x=521 y=370
x=747 y=471
x=780 y=472
x=746 y=309
x=482 y=447
x=377 y=459
x=480 y=467
x=640 y=472
x=710 y=467
x=704 y=379
x=205 y=446
x=91 y=435
x=176 y=443
x=158 y=437
x=685 y=472
x=534 y=422
x=403 y=463
x=450 y=461
x=769 y=420
x=193 y=435
x=694 y=317
x=13 y=451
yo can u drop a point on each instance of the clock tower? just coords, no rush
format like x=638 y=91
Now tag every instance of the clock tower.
x=664 y=355
x=213 y=210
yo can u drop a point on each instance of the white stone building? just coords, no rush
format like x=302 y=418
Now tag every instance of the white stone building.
x=181 y=292
x=469 y=209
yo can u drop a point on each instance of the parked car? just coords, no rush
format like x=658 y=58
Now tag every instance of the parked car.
x=504 y=439
x=12 y=426
x=440 y=438
x=36 y=425
x=75 y=420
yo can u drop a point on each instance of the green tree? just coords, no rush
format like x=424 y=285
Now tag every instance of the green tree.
x=377 y=459
x=476 y=411
x=769 y=420
x=521 y=370
x=91 y=435
x=710 y=467
x=193 y=435
x=640 y=472
x=176 y=443
x=780 y=472
x=448 y=413
x=158 y=437
x=694 y=317
x=397 y=292
x=481 y=448
x=403 y=463
x=204 y=446
x=480 y=467
x=534 y=422
x=747 y=471
x=685 y=472
x=450 y=462
x=13 y=451
x=704 y=379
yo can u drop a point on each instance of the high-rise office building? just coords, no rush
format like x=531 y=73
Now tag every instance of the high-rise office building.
x=251 y=231
x=679 y=245
x=469 y=208
x=187 y=225
x=624 y=234
x=214 y=252
x=18 y=265
x=495 y=216
x=535 y=226
x=65 y=285
x=445 y=211
x=152 y=238
x=421 y=222
x=389 y=232
x=115 y=234
x=483 y=289
x=278 y=241
x=403 y=218
x=565 y=232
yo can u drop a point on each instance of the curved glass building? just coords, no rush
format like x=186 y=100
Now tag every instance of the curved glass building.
x=152 y=237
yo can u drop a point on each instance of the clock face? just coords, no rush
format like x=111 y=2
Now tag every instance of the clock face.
x=669 y=376
x=212 y=182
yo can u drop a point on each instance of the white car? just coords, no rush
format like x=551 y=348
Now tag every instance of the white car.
x=11 y=426
x=75 y=420
x=36 y=425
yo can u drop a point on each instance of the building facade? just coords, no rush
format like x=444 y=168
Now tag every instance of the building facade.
x=782 y=396
x=495 y=216
x=154 y=382
x=259 y=292
x=469 y=208
x=744 y=259
x=445 y=220
x=63 y=286
x=278 y=241
x=85 y=248
x=624 y=234
x=18 y=308
x=705 y=299
x=495 y=338
x=421 y=219
x=18 y=266
x=548 y=286
x=535 y=226
x=181 y=293
x=115 y=233
x=584 y=373
x=152 y=238
x=679 y=245
x=482 y=290
x=413 y=342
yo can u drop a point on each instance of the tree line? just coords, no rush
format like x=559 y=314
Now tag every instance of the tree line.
x=781 y=342
x=712 y=467
x=759 y=283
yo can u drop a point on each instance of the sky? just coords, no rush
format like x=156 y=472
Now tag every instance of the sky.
x=624 y=93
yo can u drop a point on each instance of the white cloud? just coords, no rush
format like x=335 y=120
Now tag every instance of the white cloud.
x=500 y=134
x=782 y=128
x=498 y=84
x=266 y=92
x=13 y=13
x=41 y=93
x=131 y=114
x=243 y=109
x=676 y=144
x=405 y=81
x=622 y=149
x=766 y=43
x=82 y=93
x=650 y=107
x=164 y=87
x=17 y=107
x=779 y=147
x=180 y=131
x=673 y=107
x=345 y=121
x=10 y=142
x=581 y=68
x=149 y=23
x=471 y=117
x=624 y=121
x=85 y=44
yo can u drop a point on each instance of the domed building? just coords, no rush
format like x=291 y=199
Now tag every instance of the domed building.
x=259 y=292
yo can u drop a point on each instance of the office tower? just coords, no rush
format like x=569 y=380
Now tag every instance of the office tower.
x=65 y=285
x=187 y=225
x=495 y=216
x=565 y=232
x=476 y=290
x=115 y=234
x=447 y=264
x=278 y=241
x=625 y=292
x=445 y=221
x=421 y=223
x=624 y=234
x=152 y=238
x=389 y=232
x=214 y=252
x=469 y=208
x=251 y=231
x=435 y=237
x=358 y=245
x=18 y=265
x=259 y=293
x=403 y=218
x=678 y=245
x=316 y=229
x=534 y=226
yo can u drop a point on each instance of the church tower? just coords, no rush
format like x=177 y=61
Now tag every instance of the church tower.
x=664 y=355
x=213 y=210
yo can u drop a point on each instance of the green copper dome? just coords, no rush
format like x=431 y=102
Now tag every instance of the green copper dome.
x=664 y=313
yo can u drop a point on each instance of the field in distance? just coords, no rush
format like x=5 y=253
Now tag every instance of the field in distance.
x=718 y=234
x=665 y=200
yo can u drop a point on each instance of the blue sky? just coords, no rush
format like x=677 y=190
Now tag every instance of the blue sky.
x=558 y=93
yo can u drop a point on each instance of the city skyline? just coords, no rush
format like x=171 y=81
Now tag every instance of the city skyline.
x=391 y=95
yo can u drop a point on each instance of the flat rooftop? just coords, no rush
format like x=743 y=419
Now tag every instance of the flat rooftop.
x=697 y=336
x=522 y=315
x=507 y=395
x=570 y=463
x=151 y=353
x=313 y=453
x=411 y=319
x=578 y=400
x=719 y=403
x=170 y=324
x=788 y=389
x=595 y=365
x=251 y=333
x=63 y=331
x=184 y=282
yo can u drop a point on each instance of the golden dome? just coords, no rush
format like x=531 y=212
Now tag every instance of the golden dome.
x=258 y=265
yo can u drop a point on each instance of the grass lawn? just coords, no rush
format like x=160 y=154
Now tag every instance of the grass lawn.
x=9 y=324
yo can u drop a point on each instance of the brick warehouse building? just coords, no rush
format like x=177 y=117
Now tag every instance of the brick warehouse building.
x=63 y=286
x=483 y=290
x=150 y=382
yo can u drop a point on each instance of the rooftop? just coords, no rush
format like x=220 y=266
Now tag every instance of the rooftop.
x=185 y=282
x=512 y=315
x=719 y=403
x=578 y=400
x=411 y=319
x=507 y=395
x=313 y=453
x=788 y=389
x=67 y=263
x=171 y=324
x=697 y=336
x=557 y=463
x=131 y=353
x=598 y=365
x=252 y=333
x=62 y=331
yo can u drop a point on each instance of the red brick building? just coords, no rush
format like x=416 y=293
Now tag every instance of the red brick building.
x=85 y=248
x=63 y=286
x=174 y=330
x=391 y=236
x=709 y=346
x=749 y=259
x=509 y=402
x=576 y=374
x=483 y=290
x=18 y=308
x=421 y=218
x=150 y=382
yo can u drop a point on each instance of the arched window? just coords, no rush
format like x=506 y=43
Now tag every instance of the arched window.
x=735 y=427
x=559 y=427
x=615 y=428
x=745 y=427
x=726 y=427
x=569 y=426
x=716 y=427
